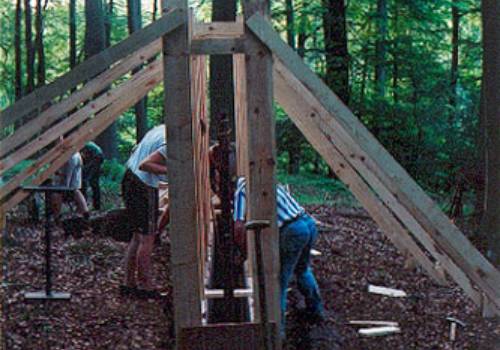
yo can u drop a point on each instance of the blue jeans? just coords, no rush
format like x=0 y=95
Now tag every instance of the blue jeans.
x=296 y=241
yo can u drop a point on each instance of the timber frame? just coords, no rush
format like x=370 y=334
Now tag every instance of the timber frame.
x=265 y=66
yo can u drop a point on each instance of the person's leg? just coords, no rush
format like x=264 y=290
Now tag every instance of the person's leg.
x=144 y=269
x=81 y=203
x=306 y=281
x=131 y=261
x=293 y=238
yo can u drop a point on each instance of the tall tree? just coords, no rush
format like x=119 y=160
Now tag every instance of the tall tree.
x=221 y=71
x=293 y=135
x=454 y=55
x=490 y=10
x=30 y=51
x=108 y=20
x=18 y=52
x=135 y=23
x=290 y=23
x=72 y=33
x=95 y=42
x=337 y=57
x=39 y=44
x=381 y=49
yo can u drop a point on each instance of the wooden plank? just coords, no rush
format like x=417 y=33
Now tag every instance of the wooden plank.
x=218 y=30
x=62 y=127
x=219 y=293
x=261 y=184
x=299 y=105
x=137 y=87
x=91 y=67
x=181 y=166
x=54 y=112
x=380 y=165
x=225 y=336
x=217 y=46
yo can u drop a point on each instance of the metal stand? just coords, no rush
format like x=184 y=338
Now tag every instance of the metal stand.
x=48 y=293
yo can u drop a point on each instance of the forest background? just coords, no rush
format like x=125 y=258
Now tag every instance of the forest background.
x=411 y=70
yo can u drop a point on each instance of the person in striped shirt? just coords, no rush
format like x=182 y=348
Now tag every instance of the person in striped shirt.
x=297 y=236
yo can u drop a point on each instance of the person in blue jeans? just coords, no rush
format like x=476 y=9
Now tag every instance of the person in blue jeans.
x=298 y=233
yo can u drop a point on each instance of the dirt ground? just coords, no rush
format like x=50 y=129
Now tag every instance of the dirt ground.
x=354 y=254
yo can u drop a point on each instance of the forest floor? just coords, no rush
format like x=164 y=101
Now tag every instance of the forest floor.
x=354 y=254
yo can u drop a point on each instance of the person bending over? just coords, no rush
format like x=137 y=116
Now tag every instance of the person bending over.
x=297 y=234
x=146 y=167
x=70 y=176
x=92 y=157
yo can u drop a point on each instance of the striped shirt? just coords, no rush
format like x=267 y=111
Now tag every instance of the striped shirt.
x=287 y=208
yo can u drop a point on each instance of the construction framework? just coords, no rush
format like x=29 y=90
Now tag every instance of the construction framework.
x=80 y=105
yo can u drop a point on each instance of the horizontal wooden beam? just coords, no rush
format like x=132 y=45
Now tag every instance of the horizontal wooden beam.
x=94 y=86
x=219 y=293
x=378 y=167
x=218 y=30
x=217 y=46
x=91 y=67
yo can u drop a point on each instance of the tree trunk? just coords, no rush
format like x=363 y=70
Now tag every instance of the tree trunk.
x=40 y=49
x=454 y=58
x=108 y=21
x=30 y=51
x=293 y=147
x=290 y=23
x=221 y=73
x=18 y=52
x=155 y=9
x=135 y=23
x=337 y=57
x=395 y=67
x=491 y=114
x=381 y=49
x=95 y=42
x=72 y=33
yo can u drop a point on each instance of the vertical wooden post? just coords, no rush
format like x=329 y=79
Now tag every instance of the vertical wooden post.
x=181 y=172
x=262 y=157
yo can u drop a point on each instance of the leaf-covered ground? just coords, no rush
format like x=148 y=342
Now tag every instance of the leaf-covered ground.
x=354 y=254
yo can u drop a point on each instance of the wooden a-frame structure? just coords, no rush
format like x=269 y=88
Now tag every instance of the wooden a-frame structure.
x=409 y=218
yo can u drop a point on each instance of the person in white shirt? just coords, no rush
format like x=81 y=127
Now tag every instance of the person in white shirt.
x=146 y=168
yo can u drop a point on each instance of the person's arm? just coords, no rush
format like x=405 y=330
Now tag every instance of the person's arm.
x=155 y=164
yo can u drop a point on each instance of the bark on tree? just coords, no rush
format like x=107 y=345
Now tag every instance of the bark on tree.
x=135 y=23
x=72 y=33
x=381 y=49
x=95 y=42
x=30 y=51
x=108 y=21
x=337 y=57
x=18 y=52
x=40 y=49
x=490 y=10
x=294 y=136
x=454 y=57
x=395 y=66
x=221 y=72
x=290 y=23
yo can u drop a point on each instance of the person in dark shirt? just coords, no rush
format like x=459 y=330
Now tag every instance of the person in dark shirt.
x=92 y=157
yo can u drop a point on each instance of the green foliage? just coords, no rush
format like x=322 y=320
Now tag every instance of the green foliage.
x=415 y=120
